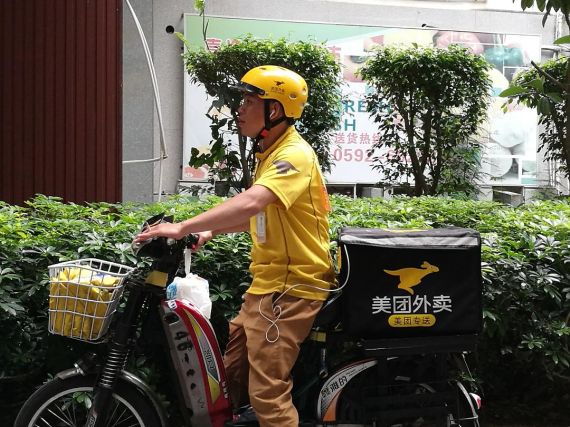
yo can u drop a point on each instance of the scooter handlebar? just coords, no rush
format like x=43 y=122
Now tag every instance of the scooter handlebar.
x=192 y=240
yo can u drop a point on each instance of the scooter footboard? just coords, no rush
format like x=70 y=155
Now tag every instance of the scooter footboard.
x=197 y=359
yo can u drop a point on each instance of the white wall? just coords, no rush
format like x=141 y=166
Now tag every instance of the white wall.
x=140 y=126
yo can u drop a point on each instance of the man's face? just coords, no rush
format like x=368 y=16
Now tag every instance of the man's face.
x=251 y=116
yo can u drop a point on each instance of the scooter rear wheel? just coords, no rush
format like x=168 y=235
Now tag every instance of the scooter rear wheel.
x=65 y=402
x=361 y=400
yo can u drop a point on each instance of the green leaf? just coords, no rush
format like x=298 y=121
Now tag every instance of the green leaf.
x=183 y=40
x=199 y=6
x=538 y=84
x=555 y=96
x=8 y=309
x=513 y=91
x=562 y=40
x=544 y=106
x=545 y=17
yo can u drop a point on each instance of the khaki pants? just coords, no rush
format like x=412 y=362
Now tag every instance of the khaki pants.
x=259 y=371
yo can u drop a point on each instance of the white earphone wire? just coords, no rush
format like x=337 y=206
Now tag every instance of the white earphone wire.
x=277 y=308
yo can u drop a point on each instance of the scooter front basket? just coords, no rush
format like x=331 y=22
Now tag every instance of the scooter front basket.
x=83 y=296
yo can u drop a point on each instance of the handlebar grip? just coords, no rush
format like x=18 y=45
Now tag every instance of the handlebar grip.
x=191 y=240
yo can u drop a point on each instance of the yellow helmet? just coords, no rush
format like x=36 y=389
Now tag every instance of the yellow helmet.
x=279 y=84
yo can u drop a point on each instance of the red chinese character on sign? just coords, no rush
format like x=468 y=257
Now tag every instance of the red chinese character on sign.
x=352 y=137
x=364 y=138
x=339 y=138
x=213 y=44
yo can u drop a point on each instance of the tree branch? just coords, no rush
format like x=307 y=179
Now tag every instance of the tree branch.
x=246 y=178
x=426 y=138
x=411 y=148
x=549 y=77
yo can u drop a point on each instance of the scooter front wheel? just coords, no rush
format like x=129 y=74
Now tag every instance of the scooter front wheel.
x=66 y=403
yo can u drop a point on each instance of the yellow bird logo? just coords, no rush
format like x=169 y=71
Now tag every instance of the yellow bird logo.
x=410 y=277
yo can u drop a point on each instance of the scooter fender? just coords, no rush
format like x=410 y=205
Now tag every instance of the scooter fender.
x=197 y=359
x=332 y=388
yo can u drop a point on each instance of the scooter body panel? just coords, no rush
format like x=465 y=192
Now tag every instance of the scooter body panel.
x=197 y=358
x=332 y=388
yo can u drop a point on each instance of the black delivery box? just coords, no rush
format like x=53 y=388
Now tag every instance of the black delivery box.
x=411 y=283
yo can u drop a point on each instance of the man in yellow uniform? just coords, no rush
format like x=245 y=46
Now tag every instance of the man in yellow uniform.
x=286 y=212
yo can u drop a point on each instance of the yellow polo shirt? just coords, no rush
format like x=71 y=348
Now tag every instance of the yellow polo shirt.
x=291 y=237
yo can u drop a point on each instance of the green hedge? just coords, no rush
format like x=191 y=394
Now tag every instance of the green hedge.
x=523 y=352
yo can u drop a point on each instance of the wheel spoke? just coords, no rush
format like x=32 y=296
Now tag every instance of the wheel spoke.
x=112 y=418
x=74 y=418
x=70 y=411
x=66 y=405
x=66 y=420
x=123 y=416
x=43 y=421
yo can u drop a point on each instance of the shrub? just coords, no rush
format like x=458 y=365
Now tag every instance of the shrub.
x=429 y=104
x=526 y=275
x=220 y=69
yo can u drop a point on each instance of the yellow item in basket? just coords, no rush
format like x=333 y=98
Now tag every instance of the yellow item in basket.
x=105 y=280
x=73 y=273
x=78 y=304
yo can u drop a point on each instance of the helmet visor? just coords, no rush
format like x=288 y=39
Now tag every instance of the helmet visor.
x=247 y=88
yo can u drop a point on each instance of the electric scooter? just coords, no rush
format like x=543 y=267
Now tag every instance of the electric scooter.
x=340 y=380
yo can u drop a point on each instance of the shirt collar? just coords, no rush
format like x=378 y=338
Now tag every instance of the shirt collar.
x=289 y=131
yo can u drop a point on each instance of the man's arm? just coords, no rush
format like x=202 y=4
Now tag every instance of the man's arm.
x=240 y=228
x=205 y=236
x=230 y=215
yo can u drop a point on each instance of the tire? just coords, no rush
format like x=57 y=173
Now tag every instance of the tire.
x=464 y=413
x=61 y=403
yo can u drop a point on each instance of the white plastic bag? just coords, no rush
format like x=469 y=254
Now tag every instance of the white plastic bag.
x=192 y=288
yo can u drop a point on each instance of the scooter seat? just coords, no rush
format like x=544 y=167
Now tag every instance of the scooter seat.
x=329 y=315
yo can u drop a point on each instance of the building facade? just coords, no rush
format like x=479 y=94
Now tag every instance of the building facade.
x=160 y=18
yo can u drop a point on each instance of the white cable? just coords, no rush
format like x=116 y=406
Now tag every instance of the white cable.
x=154 y=80
x=272 y=322
x=160 y=166
x=152 y=71
x=277 y=308
x=156 y=159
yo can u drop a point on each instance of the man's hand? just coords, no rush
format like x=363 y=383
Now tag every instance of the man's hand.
x=203 y=238
x=164 y=229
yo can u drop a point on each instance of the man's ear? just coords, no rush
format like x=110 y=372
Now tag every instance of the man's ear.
x=276 y=109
